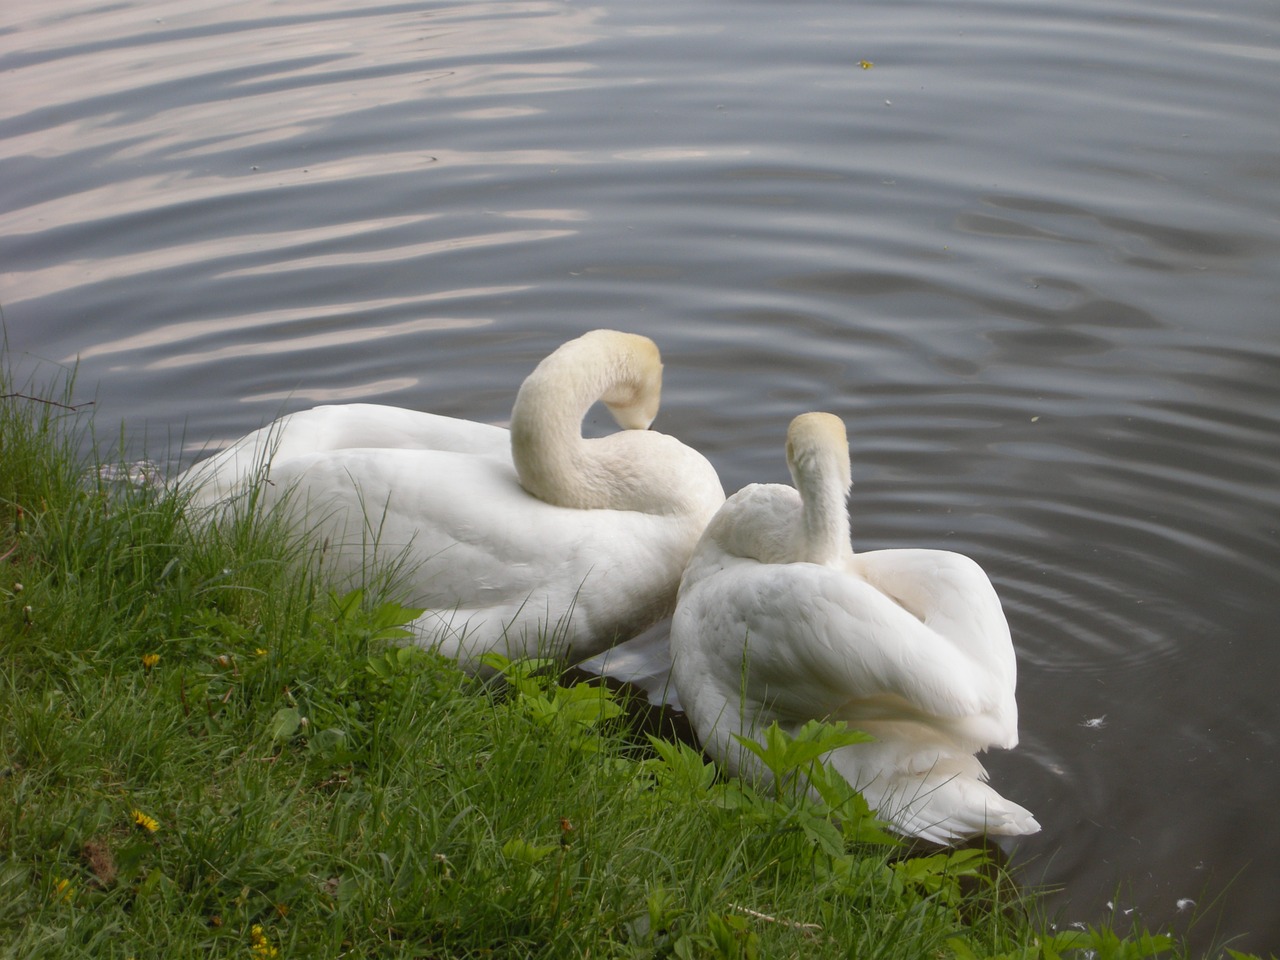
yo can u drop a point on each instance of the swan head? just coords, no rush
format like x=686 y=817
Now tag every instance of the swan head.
x=634 y=398
x=817 y=445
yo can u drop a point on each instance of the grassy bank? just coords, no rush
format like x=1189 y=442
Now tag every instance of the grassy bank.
x=204 y=753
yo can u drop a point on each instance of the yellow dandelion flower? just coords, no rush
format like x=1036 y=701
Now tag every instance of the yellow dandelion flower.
x=141 y=820
x=63 y=890
x=149 y=660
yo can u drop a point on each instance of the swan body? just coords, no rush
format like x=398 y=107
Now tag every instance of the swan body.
x=779 y=620
x=531 y=541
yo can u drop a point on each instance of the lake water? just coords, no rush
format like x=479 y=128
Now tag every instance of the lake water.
x=1029 y=250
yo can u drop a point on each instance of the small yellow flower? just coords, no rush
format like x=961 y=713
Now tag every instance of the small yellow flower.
x=260 y=652
x=63 y=890
x=260 y=945
x=141 y=820
x=149 y=660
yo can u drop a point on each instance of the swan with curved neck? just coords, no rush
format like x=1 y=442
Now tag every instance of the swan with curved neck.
x=558 y=466
x=532 y=541
x=779 y=620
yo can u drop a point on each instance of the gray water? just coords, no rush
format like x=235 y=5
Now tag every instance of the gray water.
x=1028 y=252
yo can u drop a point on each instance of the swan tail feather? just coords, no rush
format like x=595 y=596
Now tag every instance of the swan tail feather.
x=952 y=810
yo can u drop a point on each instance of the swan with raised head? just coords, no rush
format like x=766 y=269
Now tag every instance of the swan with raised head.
x=779 y=620
x=532 y=541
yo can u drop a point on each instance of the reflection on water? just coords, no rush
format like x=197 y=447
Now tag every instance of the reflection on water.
x=1029 y=255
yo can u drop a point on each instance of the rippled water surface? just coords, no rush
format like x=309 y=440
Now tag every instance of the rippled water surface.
x=1028 y=250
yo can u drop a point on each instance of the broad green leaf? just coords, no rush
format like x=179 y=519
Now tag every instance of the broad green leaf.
x=346 y=605
x=517 y=848
x=285 y=723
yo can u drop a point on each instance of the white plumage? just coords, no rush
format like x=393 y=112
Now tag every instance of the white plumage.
x=528 y=542
x=779 y=620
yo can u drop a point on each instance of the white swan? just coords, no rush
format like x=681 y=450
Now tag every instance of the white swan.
x=779 y=620
x=533 y=541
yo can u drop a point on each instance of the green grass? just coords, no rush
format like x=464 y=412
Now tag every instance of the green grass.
x=317 y=790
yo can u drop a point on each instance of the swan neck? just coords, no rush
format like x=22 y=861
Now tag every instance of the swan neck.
x=552 y=460
x=826 y=522
x=818 y=458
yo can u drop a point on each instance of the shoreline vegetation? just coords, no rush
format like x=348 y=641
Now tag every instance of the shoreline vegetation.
x=203 y=752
